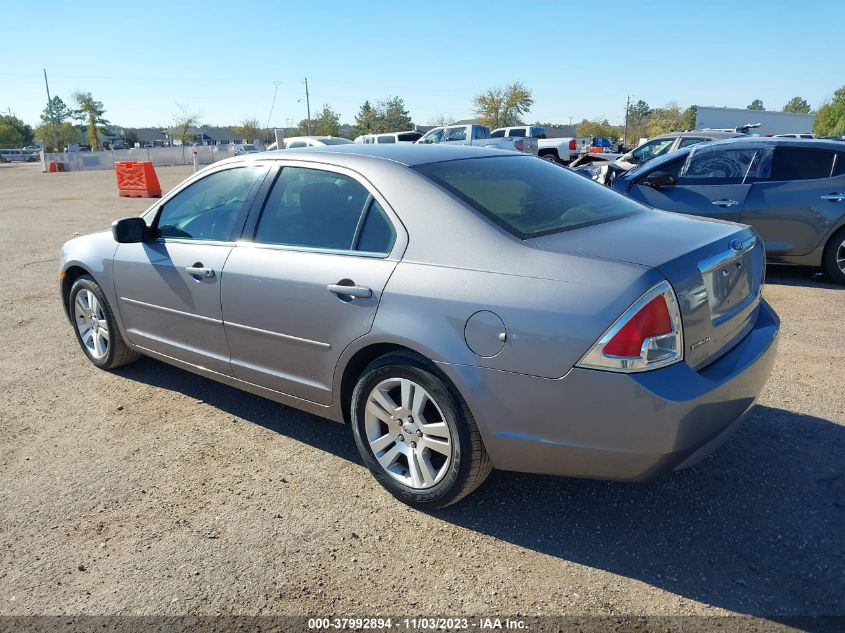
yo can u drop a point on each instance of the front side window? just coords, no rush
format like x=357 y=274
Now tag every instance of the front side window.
x=456 y=134
x=717 y=165
x=389 y=138
x=210 y=208
x=796 y=163
x=312 y=208
x=529 y=197
x=839 y=166
x=297 y=144
x=652 y=149
x=434 y=136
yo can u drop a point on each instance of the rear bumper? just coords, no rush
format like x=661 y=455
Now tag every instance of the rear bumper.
x=629 y=427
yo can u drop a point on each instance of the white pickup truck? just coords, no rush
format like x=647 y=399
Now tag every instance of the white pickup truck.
x=559 y=150
x=478 y=135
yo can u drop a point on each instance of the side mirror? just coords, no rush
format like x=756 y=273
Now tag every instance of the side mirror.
x=129 y=230
x=627 y=158
x=658 y=179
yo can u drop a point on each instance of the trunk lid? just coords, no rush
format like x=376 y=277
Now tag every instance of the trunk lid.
x=716 y=269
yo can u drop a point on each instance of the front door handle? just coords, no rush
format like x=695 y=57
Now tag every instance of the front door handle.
x=357 y=292
x=725 y=203
x=198 y=270
x=834 y=197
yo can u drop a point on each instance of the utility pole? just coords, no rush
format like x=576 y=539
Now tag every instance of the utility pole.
x=50 y=111
x=627 y=109
x=308 y=106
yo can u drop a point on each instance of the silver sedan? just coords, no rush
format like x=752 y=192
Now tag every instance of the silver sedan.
x=461 y=308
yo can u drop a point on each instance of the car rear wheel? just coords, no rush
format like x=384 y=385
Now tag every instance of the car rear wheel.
x=551 y=157
x=834 y=257
x=95 y=326
x=416 y=434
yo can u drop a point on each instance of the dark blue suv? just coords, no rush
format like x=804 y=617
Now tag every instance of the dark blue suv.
x=792 y=191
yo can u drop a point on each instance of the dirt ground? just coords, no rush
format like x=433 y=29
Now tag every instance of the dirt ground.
x=152 y=491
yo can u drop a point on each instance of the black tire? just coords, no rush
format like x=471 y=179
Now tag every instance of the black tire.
x=552 y=157
x=470 y=465
x=834 y=245
x=117 y=352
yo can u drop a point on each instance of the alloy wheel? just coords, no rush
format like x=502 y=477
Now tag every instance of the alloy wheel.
x=408 y=433
x=91 y=324
x=840 y=256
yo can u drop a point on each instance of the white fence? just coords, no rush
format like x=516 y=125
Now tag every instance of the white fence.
x=159 y=156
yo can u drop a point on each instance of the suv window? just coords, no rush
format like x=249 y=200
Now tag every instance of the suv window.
x=387 y=138
x=654 y=148
x=456 y=134
x=209 y=209
x=709 y=165
x=312 y=208
x=497 y=134
x=686 y=142
x=526 y=197
x=797 y=163
x=518 y=132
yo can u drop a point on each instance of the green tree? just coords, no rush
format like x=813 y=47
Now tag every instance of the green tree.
x=638 y=114
x=690 y=115
x=66 y=133
x=327 y=122
x=90 y=112
x=757 y=104
x=394 y=116
x=502 y=107
x=367 y=119
x=669 y=118
x=797 y=104
x=830 y=117
x=598 y=128
x=249 y=130
x=183 y=121
x=14 y=132
x=56 y=111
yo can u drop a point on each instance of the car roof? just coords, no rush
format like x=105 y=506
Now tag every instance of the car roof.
x=408 y=154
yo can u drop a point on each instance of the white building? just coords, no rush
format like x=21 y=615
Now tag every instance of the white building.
x=770 y=122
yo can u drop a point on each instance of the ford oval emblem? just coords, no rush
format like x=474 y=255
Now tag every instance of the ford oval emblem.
x=736 y=245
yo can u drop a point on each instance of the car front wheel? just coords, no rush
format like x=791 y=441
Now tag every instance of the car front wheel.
x=416 y=434
x=95 y=326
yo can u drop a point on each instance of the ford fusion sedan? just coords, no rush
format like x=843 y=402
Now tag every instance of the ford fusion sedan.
x=462 y=308
x=792 y=191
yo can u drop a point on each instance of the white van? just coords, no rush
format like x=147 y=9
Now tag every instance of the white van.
x=390 y=137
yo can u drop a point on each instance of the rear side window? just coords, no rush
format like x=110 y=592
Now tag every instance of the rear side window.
x=839 y=167
x=716 y=165
x=529 y=197
x=797 y=163
x=312 y=208
x=387 y=139
x=409 y=136
x=497 y=134
x=518 y=132
x=686 y=142
x=377 y=233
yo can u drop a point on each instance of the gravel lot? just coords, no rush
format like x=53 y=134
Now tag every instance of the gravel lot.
x=153 y=491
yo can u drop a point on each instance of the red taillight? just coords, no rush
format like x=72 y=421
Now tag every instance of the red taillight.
x=652 y=320
x=519 y=144
x=573 y=145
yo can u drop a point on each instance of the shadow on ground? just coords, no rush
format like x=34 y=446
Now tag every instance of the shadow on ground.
x=800 y=276
x=756 y=529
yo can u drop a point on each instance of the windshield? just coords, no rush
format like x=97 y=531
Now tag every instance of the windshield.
x=335 y=141
x=652 y=149
x=529 y=197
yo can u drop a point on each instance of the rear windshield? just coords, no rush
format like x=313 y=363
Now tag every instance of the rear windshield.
x=527 y=196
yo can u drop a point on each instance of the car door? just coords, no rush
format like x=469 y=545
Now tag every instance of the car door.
x=798 y=196
x=713 y=180
x=168 y=288
x=309 y=282
x=456 y=135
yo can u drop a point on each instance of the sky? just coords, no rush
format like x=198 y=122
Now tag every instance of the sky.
x=580 y=59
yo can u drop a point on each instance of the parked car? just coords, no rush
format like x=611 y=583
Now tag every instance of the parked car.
x=792 y=191
x=245 y=148
x=559 y=150
x=298 y=142
x=657 y=146
x=410 y=136
x=461 y=308
x=18 y=156
x=478 y=135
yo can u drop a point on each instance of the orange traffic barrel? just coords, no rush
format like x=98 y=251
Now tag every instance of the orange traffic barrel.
x=137 y=179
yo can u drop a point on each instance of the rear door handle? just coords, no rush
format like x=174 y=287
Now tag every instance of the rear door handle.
x=358 y=292
x=834 y=197
x=199 y=271
x=726 y=203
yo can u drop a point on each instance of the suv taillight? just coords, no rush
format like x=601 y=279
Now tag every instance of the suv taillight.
x=647 y=336
x=572 y=145
x=519 y=144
